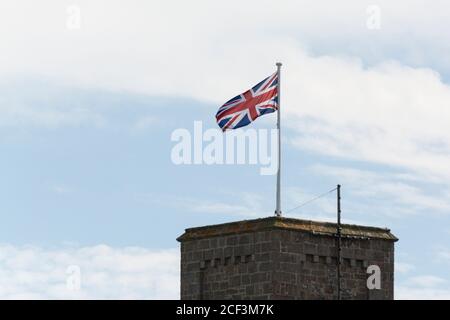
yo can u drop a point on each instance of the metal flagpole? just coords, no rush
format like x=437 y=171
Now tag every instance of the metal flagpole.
x=278 y=207
x=339 y=241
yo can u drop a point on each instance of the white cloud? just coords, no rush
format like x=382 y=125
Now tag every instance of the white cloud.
x=402 y=267
x=412 y=293
x=61 y=189
x=426 y=281
x=39 y=103
x=422 y=287
x=395 y=193
x=249 y=204
x=221 y=208
x=28 y=272
x=143 y=124
x=14 y=115
x=387 y=113
x=444 y=254
x=149 y=46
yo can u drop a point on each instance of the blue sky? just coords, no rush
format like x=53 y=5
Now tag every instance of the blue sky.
x=87 y=112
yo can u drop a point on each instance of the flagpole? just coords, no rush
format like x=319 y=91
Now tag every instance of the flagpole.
x=278 y=206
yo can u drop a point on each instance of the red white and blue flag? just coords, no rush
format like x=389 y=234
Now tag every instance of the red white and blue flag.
x=246 y=107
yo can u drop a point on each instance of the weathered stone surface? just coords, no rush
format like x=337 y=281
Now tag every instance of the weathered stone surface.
x=281 y=258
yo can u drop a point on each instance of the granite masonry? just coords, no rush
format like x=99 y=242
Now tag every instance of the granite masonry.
x=284 y=258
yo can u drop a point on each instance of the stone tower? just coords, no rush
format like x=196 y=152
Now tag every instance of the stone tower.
x=284 y=258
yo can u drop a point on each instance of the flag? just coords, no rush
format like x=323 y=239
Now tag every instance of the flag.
x=246 y=107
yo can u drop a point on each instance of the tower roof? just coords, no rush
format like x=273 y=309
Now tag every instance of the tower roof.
x=314 y=227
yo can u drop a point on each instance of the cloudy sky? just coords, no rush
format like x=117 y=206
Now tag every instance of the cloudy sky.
x=91 y=91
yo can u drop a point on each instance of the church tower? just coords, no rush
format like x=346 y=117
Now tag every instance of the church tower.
x=285 y=258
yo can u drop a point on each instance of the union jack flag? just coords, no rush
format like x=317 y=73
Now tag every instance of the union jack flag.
x=246 y=107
